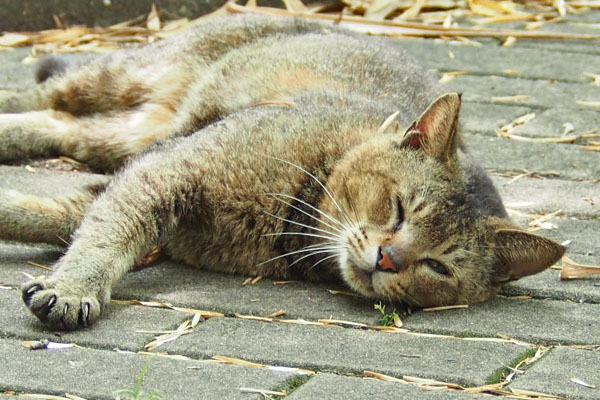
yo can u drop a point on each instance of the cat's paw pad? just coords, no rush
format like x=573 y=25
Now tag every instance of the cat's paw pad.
x=59 y=309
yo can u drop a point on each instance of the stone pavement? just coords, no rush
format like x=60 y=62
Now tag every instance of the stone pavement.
x=554 y=324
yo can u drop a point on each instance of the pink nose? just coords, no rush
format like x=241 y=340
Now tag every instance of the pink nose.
x=385 y=263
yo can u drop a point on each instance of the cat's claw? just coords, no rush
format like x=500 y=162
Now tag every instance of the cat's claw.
x=57 y=309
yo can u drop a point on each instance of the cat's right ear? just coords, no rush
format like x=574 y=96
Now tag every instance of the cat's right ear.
x=435 y=131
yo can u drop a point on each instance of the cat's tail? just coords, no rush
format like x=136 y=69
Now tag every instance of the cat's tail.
x=29 y=218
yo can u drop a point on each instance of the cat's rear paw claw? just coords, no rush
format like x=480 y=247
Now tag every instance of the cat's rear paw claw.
x=57 y=310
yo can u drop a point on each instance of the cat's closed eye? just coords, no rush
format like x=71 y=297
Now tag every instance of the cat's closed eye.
x=399 y=215
x=436 y=266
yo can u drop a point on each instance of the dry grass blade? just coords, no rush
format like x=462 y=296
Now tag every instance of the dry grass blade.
x=393 y=28
x=279 y=283
x=442 y=308
x=49 y=396
x=431 y=382
x=238 y=361
x=523 y=119
x=388 y=122
x=542 y=222
x=276 y=314
x=511 y=99
x=342 y=292
x=448 y=76
x=350 y=324
x=581 y=382
x=386 y=378
x=264 y=392
x=254 y=318
x=39 y=265
x=536 y=395
x=595 y=78
x=158 y=304
x=571 y=270
x=182 y=329
x=594 y=104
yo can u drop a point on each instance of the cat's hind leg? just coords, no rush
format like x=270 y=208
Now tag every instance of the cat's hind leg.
x=30 y=218
x=103 y=141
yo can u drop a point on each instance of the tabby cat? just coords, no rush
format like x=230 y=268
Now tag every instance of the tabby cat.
x=261 y=146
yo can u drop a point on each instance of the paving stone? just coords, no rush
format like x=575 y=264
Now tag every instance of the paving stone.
x=118 y=327
x=570 y=161
x=575 y=199
x=14 y=257
x=486 y=117
x=531 y=63
x=225 y=293
x=347 y=350
x=47 y=182
x=534 y=321
x=547 y=285
x=551 y=122
x=542 y=93
x=329 y=386
x=552 y=374
x=96 y=374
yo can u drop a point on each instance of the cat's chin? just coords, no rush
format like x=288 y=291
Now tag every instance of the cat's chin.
x=359 y=280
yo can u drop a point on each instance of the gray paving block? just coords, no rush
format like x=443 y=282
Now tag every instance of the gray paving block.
x=118 y=327
x=531 y=63
x=542 y=93
x=551 y=122
x=329 y=386
x=486 y=117
x=96 y=374
x=575 y=199
x=347 y=350
x=14 y=257
x=547 y=285
x=47 y=182
x=499 y=154
x=181 y=285
x=534 y=321
x=553 y=373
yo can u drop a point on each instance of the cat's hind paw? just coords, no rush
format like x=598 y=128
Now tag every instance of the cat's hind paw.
x=58 y=309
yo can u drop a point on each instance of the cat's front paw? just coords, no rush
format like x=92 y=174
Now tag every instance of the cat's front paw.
x=59 y=308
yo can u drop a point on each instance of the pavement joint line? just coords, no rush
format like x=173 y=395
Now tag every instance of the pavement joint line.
x=538 y=297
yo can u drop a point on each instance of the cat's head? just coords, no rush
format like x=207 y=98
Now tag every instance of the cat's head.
x=413 y=232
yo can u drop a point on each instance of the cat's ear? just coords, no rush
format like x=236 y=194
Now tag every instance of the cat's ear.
x=435 y=130
x=521 y=254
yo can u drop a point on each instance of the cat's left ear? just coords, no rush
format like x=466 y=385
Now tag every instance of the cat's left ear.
x=521 y=254
x=435 y=130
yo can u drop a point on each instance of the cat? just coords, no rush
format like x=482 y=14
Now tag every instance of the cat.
x=261 y=146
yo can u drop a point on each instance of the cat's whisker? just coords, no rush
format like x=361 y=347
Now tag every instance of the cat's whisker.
x=323 y=259
x=303 y=250
x=333 y=235
x=300 y=234
x=335 y=202
x=352 y=205
x=308 y=214
x=333 y=250
x=412 y=299
x=332 y=219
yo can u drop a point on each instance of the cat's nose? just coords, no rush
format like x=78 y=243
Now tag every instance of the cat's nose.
x=384 y=261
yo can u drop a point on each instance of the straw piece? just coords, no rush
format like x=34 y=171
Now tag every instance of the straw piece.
x=571 y=270
x=580 y=382
x=39 y=265
x=442 y=308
